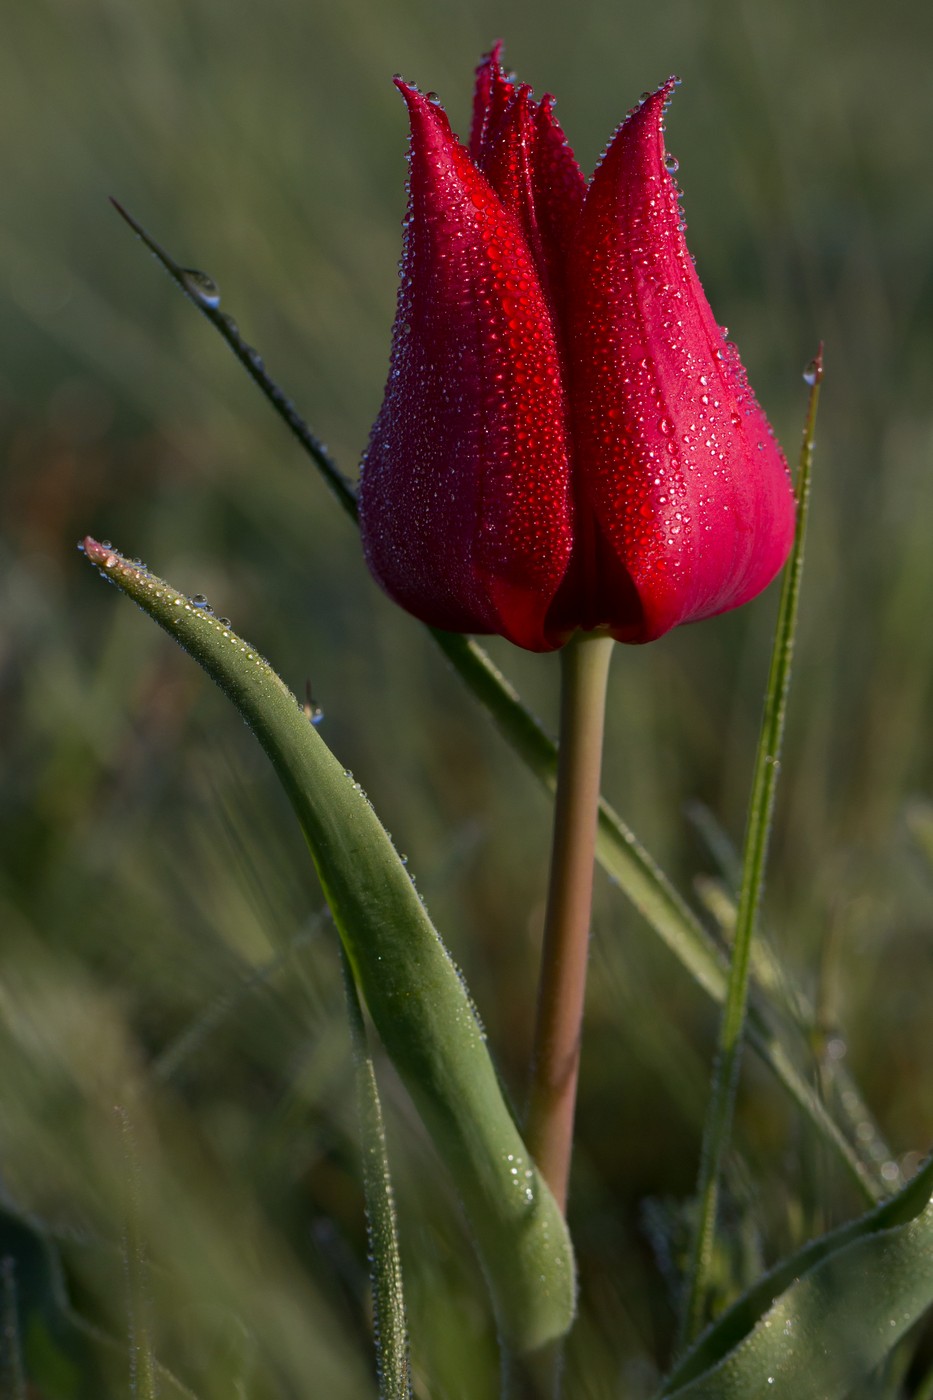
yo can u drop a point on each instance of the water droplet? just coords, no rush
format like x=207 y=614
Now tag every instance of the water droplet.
x=671 y=164
x=201 y=287
x=813 y=373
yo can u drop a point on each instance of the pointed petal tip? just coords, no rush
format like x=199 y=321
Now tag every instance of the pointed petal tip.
x=410 y=91
x=655 y=104
x=425 y=110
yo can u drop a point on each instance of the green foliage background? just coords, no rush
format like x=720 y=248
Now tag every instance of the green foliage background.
x=163 y=944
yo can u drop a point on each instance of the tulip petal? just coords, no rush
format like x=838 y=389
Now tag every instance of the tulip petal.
x=465 y=502
x=507 y=158
x=526 y=158
x=675 y=462
x=491 y=96
x=559 y=191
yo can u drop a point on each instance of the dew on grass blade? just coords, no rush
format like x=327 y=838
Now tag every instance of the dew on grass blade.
x=200 y=286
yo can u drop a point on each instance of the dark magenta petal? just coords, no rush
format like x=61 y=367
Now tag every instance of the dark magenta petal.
x=526 y=158
x=491 y=96
x=464 y=499
x=676 y=470
x=559 y=190
x=507 y=161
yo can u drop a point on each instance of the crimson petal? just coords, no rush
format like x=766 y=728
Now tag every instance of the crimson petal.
x=464 y=500
x=491 y=96
x=674 y=459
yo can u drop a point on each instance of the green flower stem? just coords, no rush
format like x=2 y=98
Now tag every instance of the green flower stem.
x=718 y=1126
x=556 y=1056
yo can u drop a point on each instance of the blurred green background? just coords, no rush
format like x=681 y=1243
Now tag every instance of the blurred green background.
x=163 y=946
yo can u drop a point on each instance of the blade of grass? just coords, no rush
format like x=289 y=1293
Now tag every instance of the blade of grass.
x=143 y=1382
x=11 y=1370
x=390 y=1325
x=204 y=292
x=718 y=1127
x=618 y=850
x=65 y=1311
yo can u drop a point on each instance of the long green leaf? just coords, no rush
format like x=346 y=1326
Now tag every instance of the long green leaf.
x=415 y=995
x=825 y=1318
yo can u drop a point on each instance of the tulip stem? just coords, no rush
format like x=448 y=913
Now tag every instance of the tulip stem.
x=556 y=1057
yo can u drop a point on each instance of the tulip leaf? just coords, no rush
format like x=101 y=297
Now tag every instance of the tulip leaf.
x=414 y=993
x=825 y=1318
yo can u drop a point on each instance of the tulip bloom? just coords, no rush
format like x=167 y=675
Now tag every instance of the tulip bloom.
x=567 y=440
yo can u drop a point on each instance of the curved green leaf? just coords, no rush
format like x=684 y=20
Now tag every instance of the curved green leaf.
x=415 y=995
x=826 y=1317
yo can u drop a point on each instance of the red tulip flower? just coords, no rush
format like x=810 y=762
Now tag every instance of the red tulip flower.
x=567 y=439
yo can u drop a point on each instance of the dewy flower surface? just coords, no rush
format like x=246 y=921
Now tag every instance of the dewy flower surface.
x=567 y=440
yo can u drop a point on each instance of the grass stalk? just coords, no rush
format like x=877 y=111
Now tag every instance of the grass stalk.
x=718 y=1125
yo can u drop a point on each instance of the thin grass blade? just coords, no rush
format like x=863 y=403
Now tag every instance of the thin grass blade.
x=390 y=1324
x=12 y=1372
x=200 y=288
x=718 y=1128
